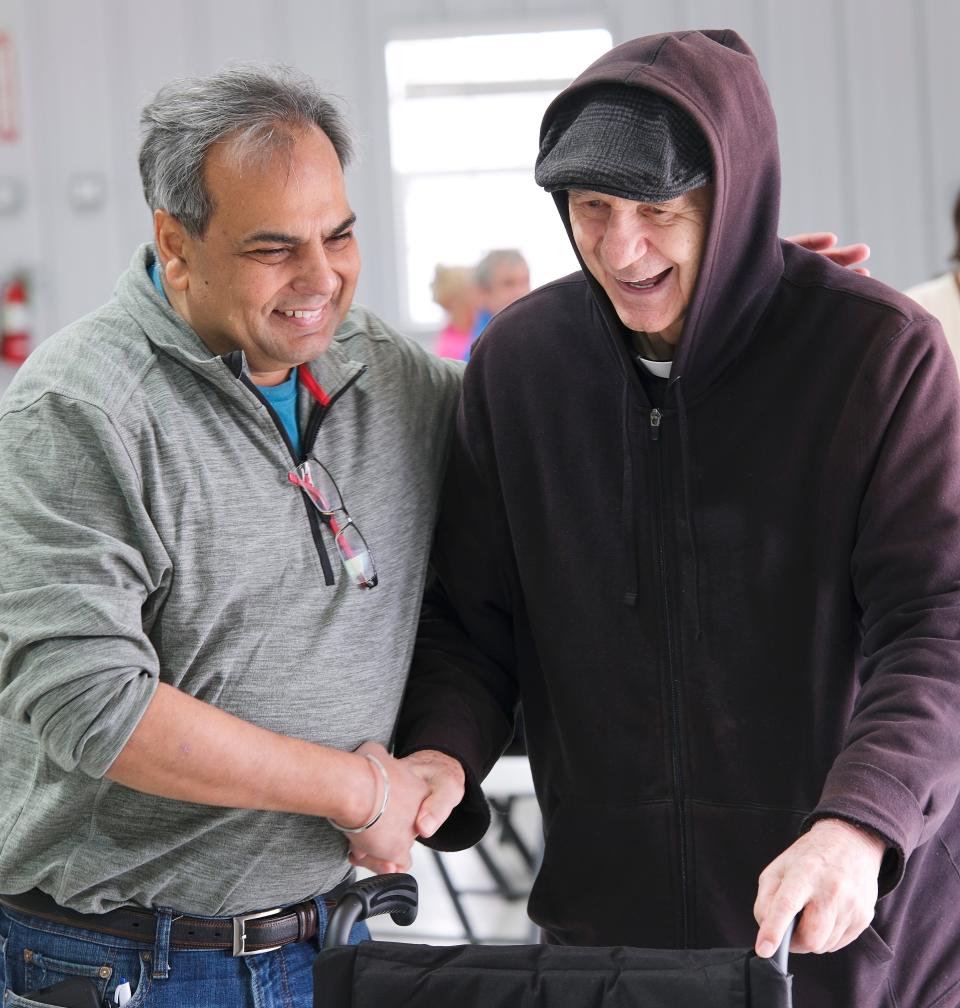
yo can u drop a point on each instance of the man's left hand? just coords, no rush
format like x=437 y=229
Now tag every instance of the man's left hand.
x=825 y=242
x=830 y=874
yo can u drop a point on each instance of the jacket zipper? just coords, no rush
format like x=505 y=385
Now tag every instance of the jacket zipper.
x=319 y=413
x=656 y=419
x=316 y=418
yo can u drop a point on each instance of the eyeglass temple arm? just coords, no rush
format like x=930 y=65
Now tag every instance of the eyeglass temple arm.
x=305 y=484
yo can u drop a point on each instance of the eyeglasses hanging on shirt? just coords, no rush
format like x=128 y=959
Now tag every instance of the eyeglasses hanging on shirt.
x=321 y=488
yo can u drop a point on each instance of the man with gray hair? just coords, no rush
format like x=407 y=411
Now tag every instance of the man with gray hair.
x=217 y=494
x=501 y=276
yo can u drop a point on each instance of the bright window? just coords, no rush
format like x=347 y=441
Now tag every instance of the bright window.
x=464 y=123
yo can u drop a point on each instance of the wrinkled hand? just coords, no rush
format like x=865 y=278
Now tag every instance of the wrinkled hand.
x=443 y=779
x=386 y=846
x=830 y=874
x=825 y=242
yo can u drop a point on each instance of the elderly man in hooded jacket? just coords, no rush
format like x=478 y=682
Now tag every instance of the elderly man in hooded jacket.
x=702 y=519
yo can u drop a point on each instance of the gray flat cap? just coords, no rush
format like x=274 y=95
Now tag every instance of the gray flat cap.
x=627 y=142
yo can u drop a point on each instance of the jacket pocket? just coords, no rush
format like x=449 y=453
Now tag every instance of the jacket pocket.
x=608 y=875
x=856 y=975
x=731 y=846
x=728 y=846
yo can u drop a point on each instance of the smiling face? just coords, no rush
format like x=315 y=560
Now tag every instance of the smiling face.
x=646 y=256
x=275 y=272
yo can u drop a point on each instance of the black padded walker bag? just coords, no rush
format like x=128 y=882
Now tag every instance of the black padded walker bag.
x=378 y=974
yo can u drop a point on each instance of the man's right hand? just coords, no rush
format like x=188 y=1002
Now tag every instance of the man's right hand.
x=443 y=779
x=386 y=846
x=829 y=873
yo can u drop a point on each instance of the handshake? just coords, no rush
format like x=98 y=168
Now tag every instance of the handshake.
x=412 y=797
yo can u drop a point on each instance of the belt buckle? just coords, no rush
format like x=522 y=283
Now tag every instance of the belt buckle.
x=240 y=932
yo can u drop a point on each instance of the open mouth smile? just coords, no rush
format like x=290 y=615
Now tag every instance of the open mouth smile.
x=302 y=314
x=647 y=284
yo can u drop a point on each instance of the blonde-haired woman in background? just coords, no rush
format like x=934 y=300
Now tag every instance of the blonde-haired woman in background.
x=453 y=288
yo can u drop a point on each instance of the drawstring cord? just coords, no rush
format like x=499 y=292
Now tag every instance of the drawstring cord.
x=628 y=518
x=685 y=467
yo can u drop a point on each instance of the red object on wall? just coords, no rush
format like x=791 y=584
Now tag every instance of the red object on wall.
x=9 y=99
x=15 y=344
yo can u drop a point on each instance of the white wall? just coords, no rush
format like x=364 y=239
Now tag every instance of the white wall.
x=865 y=91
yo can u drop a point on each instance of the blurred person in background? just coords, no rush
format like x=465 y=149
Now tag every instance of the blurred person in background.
x=453 y=288
x=501 y=276
x=941 y=296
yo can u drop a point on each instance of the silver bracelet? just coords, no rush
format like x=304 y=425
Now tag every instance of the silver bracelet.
x=383 y=805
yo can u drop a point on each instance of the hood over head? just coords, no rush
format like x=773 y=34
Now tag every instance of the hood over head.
x=712 y=78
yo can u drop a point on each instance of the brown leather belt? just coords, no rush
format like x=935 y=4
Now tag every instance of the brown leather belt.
x=245 y=934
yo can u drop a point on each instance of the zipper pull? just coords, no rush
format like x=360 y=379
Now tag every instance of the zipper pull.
x=655 y=418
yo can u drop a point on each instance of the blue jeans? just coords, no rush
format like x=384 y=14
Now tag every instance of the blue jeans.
x=36 y=953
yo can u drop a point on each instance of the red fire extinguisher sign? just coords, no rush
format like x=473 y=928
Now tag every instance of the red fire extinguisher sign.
x=15 y=344
x=9 y=99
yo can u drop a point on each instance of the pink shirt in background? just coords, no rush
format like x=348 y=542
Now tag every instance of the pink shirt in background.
x=452 y=342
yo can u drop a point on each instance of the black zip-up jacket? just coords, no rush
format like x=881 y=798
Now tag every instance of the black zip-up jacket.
x=729 y=607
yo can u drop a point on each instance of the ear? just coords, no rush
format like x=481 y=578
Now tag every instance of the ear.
x=173 y=246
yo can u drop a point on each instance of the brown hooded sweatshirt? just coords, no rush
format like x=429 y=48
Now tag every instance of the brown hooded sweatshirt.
x=729 y=602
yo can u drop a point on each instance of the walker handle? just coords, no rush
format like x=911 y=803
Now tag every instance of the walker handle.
x=395 y=894
x=779 y=958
